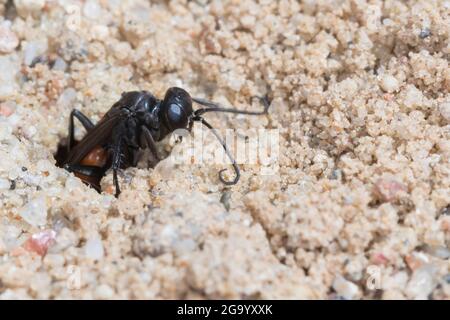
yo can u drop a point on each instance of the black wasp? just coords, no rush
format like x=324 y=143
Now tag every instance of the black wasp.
x=137 y=121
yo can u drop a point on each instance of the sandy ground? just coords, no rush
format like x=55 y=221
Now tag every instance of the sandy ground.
x=360 y=205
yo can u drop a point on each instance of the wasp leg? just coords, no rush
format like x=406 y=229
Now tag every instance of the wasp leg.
x=115 y=165
x=149 y=142
x=116 y=183
x=89 y=174
x=84 y=120
x=134 y=158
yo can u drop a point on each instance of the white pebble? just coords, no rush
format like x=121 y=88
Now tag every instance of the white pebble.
x=100 y=32
x=389 y=83
x=35 y=212
x=34 y=49
x=121 y=50
x=185 y=245
x=169 y=233
x=8 y=39
x=4 y=184
x=10 y=236
x=441 y=252
x=28 y=178
x=27 y=7
x=54 y=260
x=44 y=165
x=92 y=9
x=104 y=291
x=5 y=130
x=59 y=64
x=30 y=131
x=248 y=21
x=345 y=288
x=14 y=119
x=94 y=248
x=6 y=90
x=73 y=183
x=413 y=97
x=8 y=80
x=421 y=284
x=66 y=238
x=67 y=98
x=444 y=109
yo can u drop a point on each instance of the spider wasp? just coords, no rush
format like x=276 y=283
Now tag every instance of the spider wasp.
x=137 y=121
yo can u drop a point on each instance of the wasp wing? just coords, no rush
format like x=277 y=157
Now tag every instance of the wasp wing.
x=96 y=136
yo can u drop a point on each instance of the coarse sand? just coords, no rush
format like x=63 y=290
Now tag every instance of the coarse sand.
x=357 y=208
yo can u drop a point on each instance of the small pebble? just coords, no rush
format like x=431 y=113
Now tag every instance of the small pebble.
x=100 y=32
x=389 y=83
x=67 y=98
x=29 y=7
x=59 y=222
x=4 y=184
x=59 y=64
x=33 y=50
x=66 y=239
x=184 y=246
x=121 y=50
x=421 y=284
x=424 y=33
x=6 y=109
x=169 y=234
x=8 y=77
x=345 y=288
x=388 y=190
x=54 y=260
x=73 y=183
x=40 y=242
x=94 y=248
x=248 y=21
x=438 y=251
x=416 y=260
x=413 y=97
x=336 y=175
x=379 y=259
x=104 y=291
x=92 y=10
x=8 y=39
x=35 y=212
x=444 y=109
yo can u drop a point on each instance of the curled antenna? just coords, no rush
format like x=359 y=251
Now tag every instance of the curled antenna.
x=214 y=107
x=233 y=162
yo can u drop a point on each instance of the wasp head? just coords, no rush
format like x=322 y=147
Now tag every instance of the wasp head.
x=176 y=109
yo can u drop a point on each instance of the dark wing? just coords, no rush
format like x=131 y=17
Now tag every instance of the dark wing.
x=97 y=136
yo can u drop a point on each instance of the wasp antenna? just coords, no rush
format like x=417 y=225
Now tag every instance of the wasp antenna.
x=233 y=162
x=215 y=107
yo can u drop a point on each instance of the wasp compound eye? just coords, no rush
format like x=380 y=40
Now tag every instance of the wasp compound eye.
x=174 y=113
x=176 y=116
